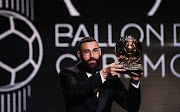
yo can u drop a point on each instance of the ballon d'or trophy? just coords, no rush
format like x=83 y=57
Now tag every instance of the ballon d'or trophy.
x=128 y=51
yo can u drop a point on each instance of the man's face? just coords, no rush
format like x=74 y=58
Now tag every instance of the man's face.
x=90 y=52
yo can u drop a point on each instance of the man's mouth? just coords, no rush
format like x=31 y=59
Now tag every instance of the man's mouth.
x=92 y=61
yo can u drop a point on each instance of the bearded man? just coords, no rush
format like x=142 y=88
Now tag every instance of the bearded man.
x=89 y=88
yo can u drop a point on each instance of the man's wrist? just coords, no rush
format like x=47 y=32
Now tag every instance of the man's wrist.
x=103 y=78
x=134 y=81
x=103 y=72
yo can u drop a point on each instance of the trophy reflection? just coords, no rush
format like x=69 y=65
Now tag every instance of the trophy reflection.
x=128 y=51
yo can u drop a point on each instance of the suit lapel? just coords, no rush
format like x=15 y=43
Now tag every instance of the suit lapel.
x=103 y=94
x=103 y=91
x=81 y=72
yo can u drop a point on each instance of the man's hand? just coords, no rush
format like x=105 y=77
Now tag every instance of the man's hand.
x=112 y=69
x=135 y=77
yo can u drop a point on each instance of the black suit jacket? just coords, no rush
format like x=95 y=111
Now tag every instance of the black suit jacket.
x=80 y=97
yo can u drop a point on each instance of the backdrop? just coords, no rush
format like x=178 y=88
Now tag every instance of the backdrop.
x=38 y=38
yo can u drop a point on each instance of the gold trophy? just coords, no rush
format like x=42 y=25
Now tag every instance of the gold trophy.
x=128 y=51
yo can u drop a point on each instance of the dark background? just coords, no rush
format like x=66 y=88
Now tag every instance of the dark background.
x=159 y=94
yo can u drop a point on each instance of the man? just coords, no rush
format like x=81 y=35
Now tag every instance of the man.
x=88 y=88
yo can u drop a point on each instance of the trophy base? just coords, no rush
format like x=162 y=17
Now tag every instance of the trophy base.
x=137 y=68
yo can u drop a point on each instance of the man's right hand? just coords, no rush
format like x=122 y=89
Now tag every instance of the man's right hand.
x=112 y=69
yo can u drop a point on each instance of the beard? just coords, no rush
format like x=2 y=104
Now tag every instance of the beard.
x=93 y=67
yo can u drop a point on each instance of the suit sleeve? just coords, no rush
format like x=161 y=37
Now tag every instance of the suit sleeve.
x=75 y=87
x=129 y=100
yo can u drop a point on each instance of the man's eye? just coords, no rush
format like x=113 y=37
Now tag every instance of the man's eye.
x=95 y=50
x=86 y=51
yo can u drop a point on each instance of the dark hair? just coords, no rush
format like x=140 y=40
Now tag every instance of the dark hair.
x=84 y=40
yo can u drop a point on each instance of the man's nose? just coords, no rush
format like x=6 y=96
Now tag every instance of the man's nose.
x=91 y=54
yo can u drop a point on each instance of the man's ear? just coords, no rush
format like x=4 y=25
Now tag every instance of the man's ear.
x=79 y=54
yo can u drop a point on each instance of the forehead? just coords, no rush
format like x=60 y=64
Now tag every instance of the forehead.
x=89 y=45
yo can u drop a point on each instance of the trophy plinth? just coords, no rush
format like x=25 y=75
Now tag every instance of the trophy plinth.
x=128 y=51
x=135 y=67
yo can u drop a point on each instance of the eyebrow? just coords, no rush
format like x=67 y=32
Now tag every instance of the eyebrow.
x=89 y=49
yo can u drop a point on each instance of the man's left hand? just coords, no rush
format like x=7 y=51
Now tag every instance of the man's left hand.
x=135 y=77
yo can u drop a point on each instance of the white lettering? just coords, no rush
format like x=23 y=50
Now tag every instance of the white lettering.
x=77 y=37
x=63 y=57
x=96 y=36
x=159 y=36
x=175 y=35
x=172 y=65
x=58 y=34
x=133 y=25
x=110 y=36
x=105 y=57
x=147 y=60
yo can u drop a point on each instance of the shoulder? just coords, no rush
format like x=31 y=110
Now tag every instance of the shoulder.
x=74 y=68
x=71 y=69
x=67 y=74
